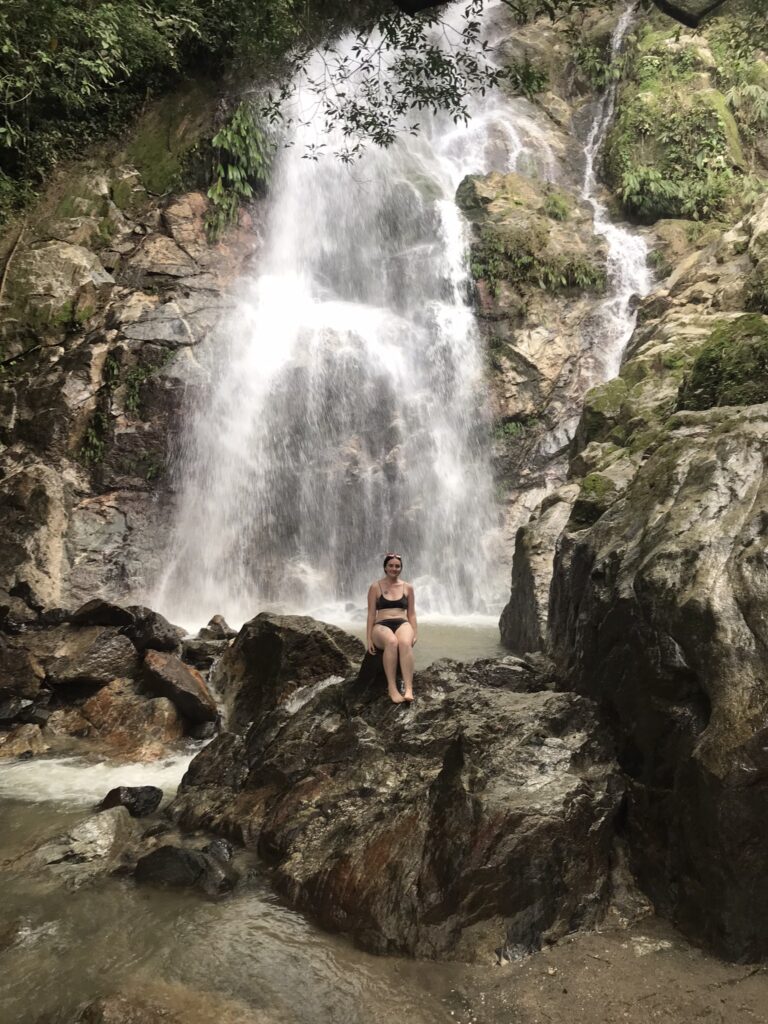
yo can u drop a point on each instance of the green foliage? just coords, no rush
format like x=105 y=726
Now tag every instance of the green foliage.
x=520 y=257
x=242 y=155
x=557 y=206
x=94 y=444
x=667 y=158
x=523 y=78
x=659 y=261
x=594 y=59
x=731 y=368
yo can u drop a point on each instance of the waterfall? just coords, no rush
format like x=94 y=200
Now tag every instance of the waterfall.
x=348 y=416
x=628 y=273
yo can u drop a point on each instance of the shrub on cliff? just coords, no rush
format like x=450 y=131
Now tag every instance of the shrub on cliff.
x=731 y=368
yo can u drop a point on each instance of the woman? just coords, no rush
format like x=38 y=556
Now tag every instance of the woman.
x=392 y=626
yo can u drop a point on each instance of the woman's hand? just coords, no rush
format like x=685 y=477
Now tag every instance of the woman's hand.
x=413 y=640
x=371 y=646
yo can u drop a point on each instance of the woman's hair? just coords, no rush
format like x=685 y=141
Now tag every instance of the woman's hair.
x=392 y=554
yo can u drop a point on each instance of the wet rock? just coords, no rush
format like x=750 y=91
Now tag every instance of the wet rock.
x=139 y=801
x=152 y=631
x=129 y=722
x=108 y=656
x=89 y=849
x=523 y=622
x=101 y=613
x=66 y=722
x=273 y=656
x=11 y=707
x=476 y=815
x=22 y=741
x=21 y=674
x=169 y=677
x=220 y=849
x=202 y=653
x=179 y=868
x=217 y=629
x=14 y=613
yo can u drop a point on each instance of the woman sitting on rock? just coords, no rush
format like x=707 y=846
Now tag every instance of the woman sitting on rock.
x=392 y=626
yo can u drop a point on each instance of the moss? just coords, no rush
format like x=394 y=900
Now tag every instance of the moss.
x=674 y=149
x=731 y=368
x=597 y=493
x=167 y=135
x=520 y=255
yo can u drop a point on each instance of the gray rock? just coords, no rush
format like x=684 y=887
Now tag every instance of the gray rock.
x=273 y=656
x=139 y=801
x=179 y=868
x=109 y=656
x=101 y=613
x=89 y=849
x=152 y=631
x=217 y=629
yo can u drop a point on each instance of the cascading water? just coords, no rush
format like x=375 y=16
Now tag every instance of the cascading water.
x=348 y=417
x=628 y=273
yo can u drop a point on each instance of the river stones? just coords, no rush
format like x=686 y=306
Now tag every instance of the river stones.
x=478 y=817
x=139 y=801
x=132 y=724
x=180 y=868
x=91 y=848
x=273 y=656
x=22 y=741
x=168 y=676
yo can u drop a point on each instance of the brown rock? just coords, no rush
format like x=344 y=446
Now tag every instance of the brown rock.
x=67 y=722
x=20 y=673
x=168 y=676
x=22 y=741
x=129 y=722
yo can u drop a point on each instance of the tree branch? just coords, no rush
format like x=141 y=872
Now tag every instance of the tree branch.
x=679 y=11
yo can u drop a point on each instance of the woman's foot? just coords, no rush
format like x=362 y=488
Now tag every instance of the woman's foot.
x=394 y=696
x=408 y=696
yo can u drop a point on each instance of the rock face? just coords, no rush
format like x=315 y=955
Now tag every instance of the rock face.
x=657 y=605
x=275 y=655
x=480 y=816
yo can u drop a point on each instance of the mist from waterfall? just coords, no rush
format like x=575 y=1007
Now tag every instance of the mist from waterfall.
x=348 y=414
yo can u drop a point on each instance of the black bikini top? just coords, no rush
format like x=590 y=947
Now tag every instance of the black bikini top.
x=384 y=602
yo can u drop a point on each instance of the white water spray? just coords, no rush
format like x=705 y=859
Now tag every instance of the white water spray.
x=349 y=416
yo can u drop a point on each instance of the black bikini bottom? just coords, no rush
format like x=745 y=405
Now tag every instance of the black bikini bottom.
x=393 y=624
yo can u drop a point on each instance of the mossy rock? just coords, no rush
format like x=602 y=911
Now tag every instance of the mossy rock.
x=602 y=413
x=164 y=140
x=731 y=368
x=598 y=492
x=674 y=149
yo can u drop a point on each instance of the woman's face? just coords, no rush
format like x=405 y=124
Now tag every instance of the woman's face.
x=393 y=567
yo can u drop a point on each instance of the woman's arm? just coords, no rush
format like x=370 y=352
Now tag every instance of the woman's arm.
x=369 y=644
x=411 y=613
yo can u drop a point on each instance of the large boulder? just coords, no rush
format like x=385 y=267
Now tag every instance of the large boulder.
x=130 y=723
x=275 y=655
x=478 y=817
x=109 y=655
x=168 y=676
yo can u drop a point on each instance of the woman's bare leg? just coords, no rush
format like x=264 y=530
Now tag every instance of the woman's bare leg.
x=405 y=649
x=386 y=641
